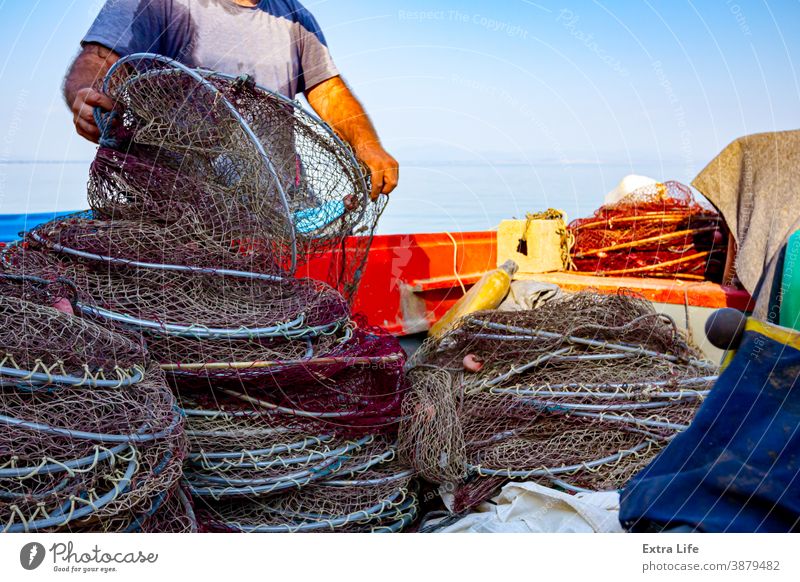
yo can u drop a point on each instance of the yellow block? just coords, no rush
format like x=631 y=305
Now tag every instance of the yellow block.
x=543 y=245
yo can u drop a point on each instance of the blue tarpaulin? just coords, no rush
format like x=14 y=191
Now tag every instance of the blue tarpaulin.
x=12 y=224
x=737 y=467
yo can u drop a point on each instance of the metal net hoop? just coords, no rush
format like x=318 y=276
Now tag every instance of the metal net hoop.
x=163 y=104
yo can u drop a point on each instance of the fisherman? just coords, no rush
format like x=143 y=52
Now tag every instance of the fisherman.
x=278 y=42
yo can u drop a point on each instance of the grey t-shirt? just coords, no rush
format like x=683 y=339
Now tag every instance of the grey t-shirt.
x=278 y=42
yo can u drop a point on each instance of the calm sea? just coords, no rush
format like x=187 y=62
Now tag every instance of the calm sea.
x=430 y=198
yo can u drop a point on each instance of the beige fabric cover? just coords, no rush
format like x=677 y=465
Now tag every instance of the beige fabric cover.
x=755 y=184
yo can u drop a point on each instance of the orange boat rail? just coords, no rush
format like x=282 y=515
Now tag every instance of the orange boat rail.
x=411 y=280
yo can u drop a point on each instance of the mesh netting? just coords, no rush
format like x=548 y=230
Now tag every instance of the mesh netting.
x=89 y=434
x=40 y=345
x=656 y=231
x=583 y=390
x=292 y=457
x=272 y=162
x=357 y=387
x=192 y=304
x=277 y=362
x=366 y=491
x=169 y=512
x=206 y=194
x=133 y=243
x=83 y=459
x=350 y=401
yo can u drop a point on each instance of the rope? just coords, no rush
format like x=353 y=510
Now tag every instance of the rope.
x=105 y=123
x=455 y=263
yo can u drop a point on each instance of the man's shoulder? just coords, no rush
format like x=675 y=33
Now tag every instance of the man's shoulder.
x=291 y=10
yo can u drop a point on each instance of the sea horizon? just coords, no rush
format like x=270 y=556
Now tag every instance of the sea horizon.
x=433 y=195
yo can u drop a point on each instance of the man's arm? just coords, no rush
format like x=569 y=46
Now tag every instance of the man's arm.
x=86 y=73
x=335 y=104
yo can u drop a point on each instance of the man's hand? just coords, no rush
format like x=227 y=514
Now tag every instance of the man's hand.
x=83 y=112
x=336 y=104
x=87 y=69
x=383 y=168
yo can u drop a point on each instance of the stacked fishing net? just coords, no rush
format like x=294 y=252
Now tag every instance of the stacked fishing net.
x=207 y=194
x=315 y=431
x=255 y=470
x=91 y=438
x=311 y=425
x=257 y=395
x=656 y=231
x=582 y=391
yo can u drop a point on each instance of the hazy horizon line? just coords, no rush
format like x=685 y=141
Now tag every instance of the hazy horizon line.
x=455 y=162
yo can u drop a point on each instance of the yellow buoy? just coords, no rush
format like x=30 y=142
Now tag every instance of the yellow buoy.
x=487 y=293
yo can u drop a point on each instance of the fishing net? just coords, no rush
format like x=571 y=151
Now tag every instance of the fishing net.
x=41 y=346
x=82 y=459
x=206 y=194
x=132 y=243
x=270 y=160
x=43 y=343
x=584 y=390
x=192 y=304
x=60 y=294
x=350 y=402
x=279 y=362
x=169 y=512
x=369 y=492
x=656 y=231
x=357 y=387
x=236 y=450
x=88 y=432
x=140 y=186
x=268 y=465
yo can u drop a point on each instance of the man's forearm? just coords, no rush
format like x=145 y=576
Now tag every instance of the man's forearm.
x=334 y=103
x=87 y=70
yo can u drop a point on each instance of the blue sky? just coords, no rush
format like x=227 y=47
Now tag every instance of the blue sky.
x=543 y=82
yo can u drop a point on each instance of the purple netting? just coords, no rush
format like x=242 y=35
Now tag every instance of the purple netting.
x=196 y=301
x=213 y=193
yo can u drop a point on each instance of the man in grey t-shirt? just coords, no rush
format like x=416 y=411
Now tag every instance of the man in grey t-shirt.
x=278 y=42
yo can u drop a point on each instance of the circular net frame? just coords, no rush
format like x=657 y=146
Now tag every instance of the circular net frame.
x=585 y=389
x=369 y=491
x=198 y=303
x=285 y=169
